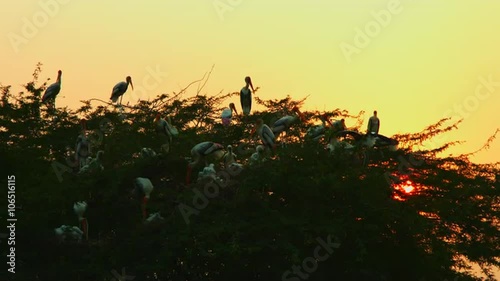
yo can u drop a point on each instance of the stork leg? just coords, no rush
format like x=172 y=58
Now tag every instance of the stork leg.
x=121 y=97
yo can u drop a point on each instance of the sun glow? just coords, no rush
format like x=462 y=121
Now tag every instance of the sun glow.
x=407 y=187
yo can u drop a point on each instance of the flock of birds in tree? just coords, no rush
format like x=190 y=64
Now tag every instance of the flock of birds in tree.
x=205 y=151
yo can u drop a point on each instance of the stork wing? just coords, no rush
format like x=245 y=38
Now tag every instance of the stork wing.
x=119 y=89
x=383 y=141
x=51 y=91
x=172 y=130
x=357 y=136
x=267 y=132
x=227 y=113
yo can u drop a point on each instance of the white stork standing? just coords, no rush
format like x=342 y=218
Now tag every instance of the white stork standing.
x=229 y=157
x=145 y=185
x=199 y=153
x=258 y=155
x=227 y=114
x=207 y=173
x=80 y=208
x=120 y=89
x=246 y=96
x=284 y=123
x=82 y=145
x=53 y=90
x=266 y=135
x=165 y=127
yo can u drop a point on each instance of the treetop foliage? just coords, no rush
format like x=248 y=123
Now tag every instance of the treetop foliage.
x=258 y=222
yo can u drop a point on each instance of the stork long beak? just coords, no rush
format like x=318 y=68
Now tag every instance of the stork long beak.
x=131 y=84
x=234 y=108
x=251 y=86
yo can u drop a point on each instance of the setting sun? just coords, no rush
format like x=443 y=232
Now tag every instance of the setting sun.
x=406 y=186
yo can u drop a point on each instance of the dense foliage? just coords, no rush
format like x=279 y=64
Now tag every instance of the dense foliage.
x=263 y=220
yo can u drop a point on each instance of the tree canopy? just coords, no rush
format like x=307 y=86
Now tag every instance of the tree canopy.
x=304 y=214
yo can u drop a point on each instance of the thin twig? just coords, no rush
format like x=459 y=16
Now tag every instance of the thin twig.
x=206 y=80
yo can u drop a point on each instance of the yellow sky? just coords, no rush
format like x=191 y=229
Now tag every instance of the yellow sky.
x=414 y=68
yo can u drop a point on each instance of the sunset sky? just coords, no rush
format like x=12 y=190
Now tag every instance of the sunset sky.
x=422 y=61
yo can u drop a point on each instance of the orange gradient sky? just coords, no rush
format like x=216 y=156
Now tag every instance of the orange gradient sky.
x=419 y=60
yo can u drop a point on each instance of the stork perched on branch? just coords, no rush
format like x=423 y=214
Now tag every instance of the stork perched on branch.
x=246 y=96
x=284 y=123
x=200 y=152
x=144 y=185
x=120 y=89
x=266 y=135
x=318 y=131
x=227 y=114
x=53 y=90
x=166 y=128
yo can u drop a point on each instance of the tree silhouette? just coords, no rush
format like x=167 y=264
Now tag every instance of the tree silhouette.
x=259 y=221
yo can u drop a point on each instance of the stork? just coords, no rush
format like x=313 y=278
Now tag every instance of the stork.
x=246 y=96
x=82 y=145
x=80 y=208
x=207 y=173
x=229 y=157
x=166 y=128
x=53 y=90
x=147 y=152
x=258 y=155
x=120 y=89
x=335 y=127
x=65 y=231
x=339 y=125
x=145 y=185
x=227 y=114
x=200 y=152
x=284 y=123
x=317 y=131
x=265 y=133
